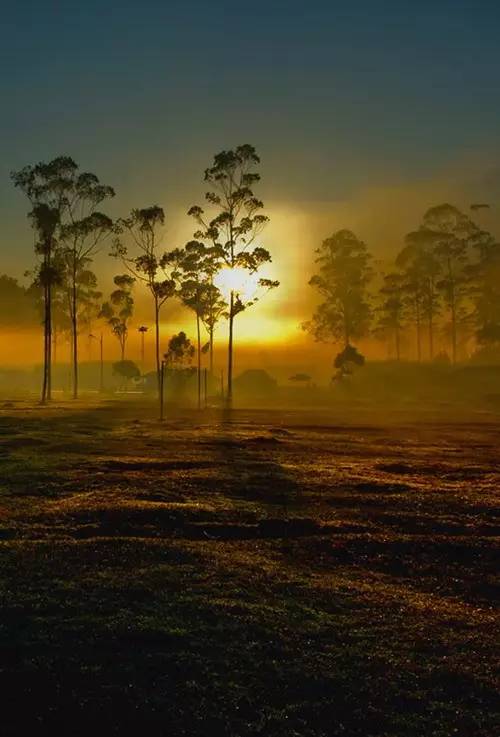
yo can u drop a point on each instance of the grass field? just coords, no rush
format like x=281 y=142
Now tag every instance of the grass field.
x=270 y=573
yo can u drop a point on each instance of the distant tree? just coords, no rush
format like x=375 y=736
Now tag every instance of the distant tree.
x=344 y=273
x=18 y=305
x=484 y=275
x=142 y=330
x=421 y=268
x=147 y=265
x=346 y=361
x=180 y=351
x=45 y=186
x=452 y=233
x=234 y=229
x=391 y=309
x=118 y=311
x=126 y=369
x=194 y=273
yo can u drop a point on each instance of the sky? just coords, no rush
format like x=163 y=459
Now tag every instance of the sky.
x=363 y=112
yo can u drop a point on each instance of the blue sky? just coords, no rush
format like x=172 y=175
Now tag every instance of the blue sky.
x=337 y=96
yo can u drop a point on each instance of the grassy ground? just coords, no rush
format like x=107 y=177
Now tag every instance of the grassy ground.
x=281 y=573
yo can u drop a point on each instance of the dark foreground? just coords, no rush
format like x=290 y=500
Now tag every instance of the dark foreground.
x=281 y=574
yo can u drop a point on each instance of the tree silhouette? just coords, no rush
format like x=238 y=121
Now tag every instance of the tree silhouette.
x=149 y=265
x=180 y=351
x=234 y=229
x=118 y=311
x=82 y=233
x=142 y=330
x=484 y=287
x=196 y=265
x=391 y=309
x=342 y=281
x=74 y=237
x=451 y=232
x=421 y=269
x=45 y=185
x=346 y=361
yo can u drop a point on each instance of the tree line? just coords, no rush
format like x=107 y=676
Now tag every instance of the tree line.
x=444 y=283
x=70 y=229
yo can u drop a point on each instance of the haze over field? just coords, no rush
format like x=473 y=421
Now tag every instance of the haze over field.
x=363 y=124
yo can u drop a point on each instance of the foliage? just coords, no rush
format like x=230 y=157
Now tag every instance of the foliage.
x=180 y=351
x=126 y=369
x=391 y=308
x=342 y=281
x=346 y=361
x=233 y=231
x=119 y=309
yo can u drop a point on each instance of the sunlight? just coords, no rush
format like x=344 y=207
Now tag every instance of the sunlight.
x=243 y=283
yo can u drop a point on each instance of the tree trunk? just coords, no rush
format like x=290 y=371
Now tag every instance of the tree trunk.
x=49 y=339
x=230 y=353
x=45 y=338
x=453 y=330
x=198 y=338
x=74 y=331
x=431 y=337
x=211 y=338
x=157 y=345
x=418 y=325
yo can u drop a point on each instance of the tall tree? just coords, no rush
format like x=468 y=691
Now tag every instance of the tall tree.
x=82 y=232
x=45 y=185
x=118 y=311
x=237 y=223
x=195 y=267
x=452 y=233
x=421 y=269
x=391 y=309
x=344 y=273
x=148 y=265
x=484 y=276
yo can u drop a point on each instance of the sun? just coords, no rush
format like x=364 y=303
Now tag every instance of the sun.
x=244 y=284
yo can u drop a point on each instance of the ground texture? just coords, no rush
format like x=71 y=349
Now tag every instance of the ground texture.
x=268 y=573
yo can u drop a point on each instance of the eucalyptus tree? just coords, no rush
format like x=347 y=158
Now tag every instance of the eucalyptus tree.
x=82 y=233
x=69 y=198
x=391 y=309
x=147 y=265
x=484 y=275
x=45 y=185
x=452 y=233
x=344 y=273
x=233 y=231
x=119 y=309
x=420 y=268
x=194 y=270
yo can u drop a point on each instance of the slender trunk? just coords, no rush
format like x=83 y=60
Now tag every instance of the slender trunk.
x=49 y=339
x=419 y=342
x=74 y=331
x=101 y=370
x=45 y=337
x=453 y=329
x=398 y=352
x=431 y=336
x=157 y=345
x=198 y=338
x=211 y=338
x=230 y=353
